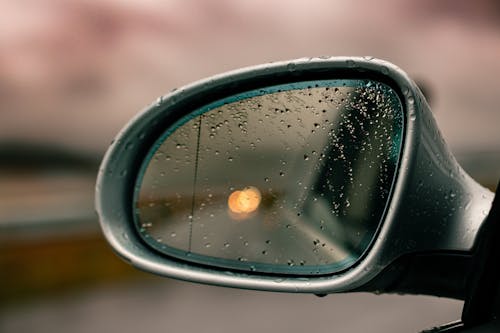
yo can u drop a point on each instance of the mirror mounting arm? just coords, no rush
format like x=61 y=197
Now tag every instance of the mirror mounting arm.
x=483 y=300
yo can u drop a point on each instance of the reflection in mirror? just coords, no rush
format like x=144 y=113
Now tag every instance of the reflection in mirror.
x=290 y=179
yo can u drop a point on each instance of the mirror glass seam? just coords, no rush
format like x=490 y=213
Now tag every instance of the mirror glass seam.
x=287 y=179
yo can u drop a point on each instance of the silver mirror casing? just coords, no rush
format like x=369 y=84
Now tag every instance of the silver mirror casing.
x=434 y=205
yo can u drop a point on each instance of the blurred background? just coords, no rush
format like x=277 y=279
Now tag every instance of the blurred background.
x=72 y=73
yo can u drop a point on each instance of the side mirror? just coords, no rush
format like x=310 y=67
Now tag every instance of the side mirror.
x=314 y=175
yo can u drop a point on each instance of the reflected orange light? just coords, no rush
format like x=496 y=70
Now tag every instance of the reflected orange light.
x=245 y=201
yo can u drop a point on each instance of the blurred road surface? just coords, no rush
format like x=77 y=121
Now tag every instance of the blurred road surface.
x=162 y=305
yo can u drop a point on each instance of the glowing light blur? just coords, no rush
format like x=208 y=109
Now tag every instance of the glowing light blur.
x=245 y=201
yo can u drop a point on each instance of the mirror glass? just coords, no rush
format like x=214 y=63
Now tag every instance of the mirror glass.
x=288 y=179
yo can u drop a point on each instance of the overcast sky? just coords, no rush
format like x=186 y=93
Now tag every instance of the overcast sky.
x=74 y=72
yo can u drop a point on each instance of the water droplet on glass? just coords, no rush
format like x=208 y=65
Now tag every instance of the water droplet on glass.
x=291 y=67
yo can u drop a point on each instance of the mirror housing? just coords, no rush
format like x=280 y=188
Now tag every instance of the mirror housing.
x=433 y=207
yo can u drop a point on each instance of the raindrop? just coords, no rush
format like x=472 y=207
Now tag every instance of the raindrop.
x=468 y=204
